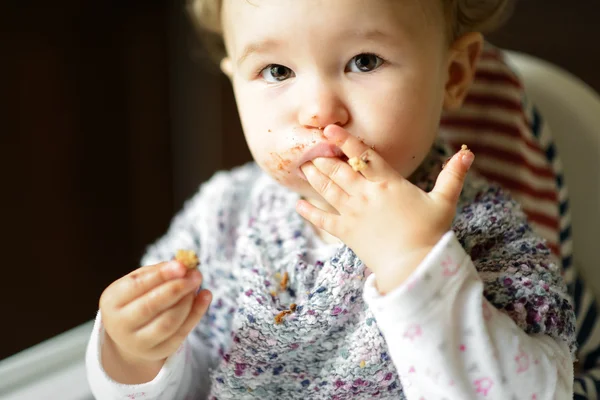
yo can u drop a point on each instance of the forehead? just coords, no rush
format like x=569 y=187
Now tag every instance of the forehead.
x=322 y=16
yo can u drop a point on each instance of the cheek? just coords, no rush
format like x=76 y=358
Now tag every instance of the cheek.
x=259 y=131
x=405 y=123
x=275 y=155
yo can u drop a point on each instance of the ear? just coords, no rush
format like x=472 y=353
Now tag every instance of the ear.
x=226 y=67
x=463 y=57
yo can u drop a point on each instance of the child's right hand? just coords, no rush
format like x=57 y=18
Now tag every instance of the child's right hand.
x=147 y=314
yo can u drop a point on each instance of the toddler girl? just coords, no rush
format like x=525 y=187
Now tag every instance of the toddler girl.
x=345 y=262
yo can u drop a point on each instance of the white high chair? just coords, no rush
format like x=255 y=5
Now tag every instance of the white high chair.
x=55 y=368
x=572 y=111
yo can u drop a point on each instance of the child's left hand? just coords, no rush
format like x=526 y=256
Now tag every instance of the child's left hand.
x=387 y=221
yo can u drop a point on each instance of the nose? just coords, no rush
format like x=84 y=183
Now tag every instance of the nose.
x=321 y=106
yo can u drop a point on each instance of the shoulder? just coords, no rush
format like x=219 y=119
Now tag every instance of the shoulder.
x=209 y=220
x=232 y=183
x=224 y=190
x=487 y=217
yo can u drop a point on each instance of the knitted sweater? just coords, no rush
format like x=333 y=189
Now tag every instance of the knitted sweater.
x=485 y=314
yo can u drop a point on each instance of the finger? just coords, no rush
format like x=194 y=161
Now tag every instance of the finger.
x=323 y=185
x=140 y=281
x=197 y=312
x=145 y=308
x=450 y=182
x=375 y=168
x=319 y=218
x=340 y=173
x=164 y=325
x=199 y=308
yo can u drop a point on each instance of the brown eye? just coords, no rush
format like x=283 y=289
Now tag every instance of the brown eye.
x=364 y=63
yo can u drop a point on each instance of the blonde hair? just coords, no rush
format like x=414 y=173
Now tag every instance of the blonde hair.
x=462 y=16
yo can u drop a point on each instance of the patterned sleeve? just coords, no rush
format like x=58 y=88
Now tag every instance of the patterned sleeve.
x=519 y=276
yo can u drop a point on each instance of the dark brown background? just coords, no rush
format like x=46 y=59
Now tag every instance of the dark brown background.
x=107 y=125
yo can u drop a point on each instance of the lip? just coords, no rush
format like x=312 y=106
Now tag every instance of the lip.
x=319 y=150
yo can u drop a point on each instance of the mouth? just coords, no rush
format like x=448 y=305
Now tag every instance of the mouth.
x=320 y=150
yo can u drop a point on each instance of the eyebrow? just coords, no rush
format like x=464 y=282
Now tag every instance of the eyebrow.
x=371 y=34
x=265 y=45
x=257 y=47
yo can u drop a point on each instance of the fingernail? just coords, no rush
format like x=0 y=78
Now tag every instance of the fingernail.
x=327 y=132
x=467 y=159
x=172 y=267
x=206 y=296
x=196 y=277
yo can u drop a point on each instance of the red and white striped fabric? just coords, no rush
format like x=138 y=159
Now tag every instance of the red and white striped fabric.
x=499 y=127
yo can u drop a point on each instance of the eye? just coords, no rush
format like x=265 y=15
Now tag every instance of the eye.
x=276 y=73
x=364 y=63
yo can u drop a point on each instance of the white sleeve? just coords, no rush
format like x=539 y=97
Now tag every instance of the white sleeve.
x=183 y=376
x=448 y=342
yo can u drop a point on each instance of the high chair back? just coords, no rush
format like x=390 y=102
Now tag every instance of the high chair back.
x=571 y=110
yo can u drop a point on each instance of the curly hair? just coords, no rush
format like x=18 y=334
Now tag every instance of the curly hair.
x=462 y=16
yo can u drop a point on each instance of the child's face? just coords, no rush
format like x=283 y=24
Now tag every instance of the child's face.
x=379 y=68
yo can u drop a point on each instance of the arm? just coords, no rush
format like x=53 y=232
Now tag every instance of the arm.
x=448 y=341
x=111 y=375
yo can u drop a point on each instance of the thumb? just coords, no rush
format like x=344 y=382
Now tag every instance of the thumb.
x=450 y=181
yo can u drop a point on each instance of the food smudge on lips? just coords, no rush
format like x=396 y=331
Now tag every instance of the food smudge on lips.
x=281 y=164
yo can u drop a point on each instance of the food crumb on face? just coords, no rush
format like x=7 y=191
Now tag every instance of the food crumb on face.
x=188 y=258
x=282 y=163
x=298 y=148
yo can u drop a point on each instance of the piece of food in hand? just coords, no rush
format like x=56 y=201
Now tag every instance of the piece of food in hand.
x=358 y=163
x=188 y=258
x=462 y=149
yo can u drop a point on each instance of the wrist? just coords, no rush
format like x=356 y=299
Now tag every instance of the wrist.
x=126 y=368
x=390 y=278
